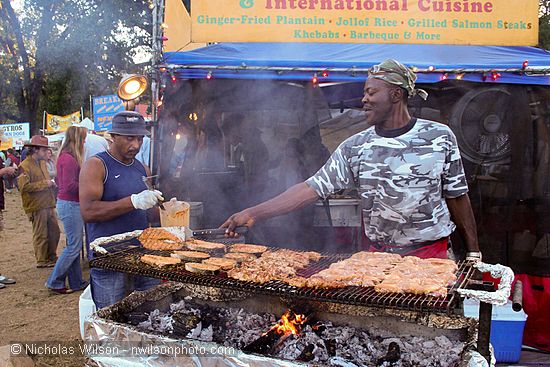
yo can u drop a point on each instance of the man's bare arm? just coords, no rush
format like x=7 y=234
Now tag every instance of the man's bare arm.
x=463 y=216
x=294 y=198
x=91 y=192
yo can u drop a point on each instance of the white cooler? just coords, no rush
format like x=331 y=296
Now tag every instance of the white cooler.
x=86 y=307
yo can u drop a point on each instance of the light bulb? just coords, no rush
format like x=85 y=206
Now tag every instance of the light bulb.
x=132 y=86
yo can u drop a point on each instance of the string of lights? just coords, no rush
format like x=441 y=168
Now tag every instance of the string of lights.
x=521 y=69
x=318 y=73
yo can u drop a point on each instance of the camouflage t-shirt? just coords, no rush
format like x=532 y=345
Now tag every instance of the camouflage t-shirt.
x=402 y=181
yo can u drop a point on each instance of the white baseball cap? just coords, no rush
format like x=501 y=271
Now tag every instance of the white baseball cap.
x=87 y=123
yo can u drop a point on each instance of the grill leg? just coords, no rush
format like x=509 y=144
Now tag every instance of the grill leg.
x=484 y=330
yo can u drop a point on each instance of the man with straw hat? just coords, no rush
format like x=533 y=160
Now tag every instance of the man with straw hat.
x=407 y=171
x=38 y=196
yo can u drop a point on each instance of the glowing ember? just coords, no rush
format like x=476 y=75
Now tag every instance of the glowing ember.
x=290 y=323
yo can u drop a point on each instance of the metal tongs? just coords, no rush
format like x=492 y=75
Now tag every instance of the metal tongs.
x=150 y=187
x=190 y=233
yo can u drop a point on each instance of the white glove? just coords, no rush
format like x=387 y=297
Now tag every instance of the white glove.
x=146 y=199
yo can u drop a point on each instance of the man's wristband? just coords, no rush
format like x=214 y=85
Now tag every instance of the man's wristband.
x=474 y=255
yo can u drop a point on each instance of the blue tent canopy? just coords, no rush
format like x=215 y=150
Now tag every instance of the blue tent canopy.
x=350 y=62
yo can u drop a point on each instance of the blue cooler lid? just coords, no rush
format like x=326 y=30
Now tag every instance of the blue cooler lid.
x=500 y=313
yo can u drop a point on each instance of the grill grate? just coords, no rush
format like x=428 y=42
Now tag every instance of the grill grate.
x=128 y=261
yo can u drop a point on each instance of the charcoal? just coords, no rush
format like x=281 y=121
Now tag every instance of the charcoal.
x=330 y=344
x=392 y=356
x=183 y=323
x=263 y=344
x=321 y=343
x=135 y=318
x=307 y=354
x=319 y=327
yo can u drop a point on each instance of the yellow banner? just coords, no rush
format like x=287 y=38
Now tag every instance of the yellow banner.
x=178 y=31
x=6 y=143
x=464 y=22
x=57 y=124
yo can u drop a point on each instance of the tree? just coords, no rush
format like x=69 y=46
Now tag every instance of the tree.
x=53 y=54
x=544 y=24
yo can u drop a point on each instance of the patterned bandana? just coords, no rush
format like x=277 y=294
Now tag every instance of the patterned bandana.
x=394 y=72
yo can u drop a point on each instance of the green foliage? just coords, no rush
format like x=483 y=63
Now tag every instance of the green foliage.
x=544 y=24
x=544 y=32
x=75 y=48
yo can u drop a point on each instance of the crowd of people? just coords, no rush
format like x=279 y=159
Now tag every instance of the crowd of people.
x=407 y=170
x=48 y=182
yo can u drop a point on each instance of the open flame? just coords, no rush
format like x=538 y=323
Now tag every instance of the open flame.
x=290 y=323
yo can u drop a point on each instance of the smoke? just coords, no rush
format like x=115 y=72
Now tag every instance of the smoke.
x=83 y=46
x=251 y=141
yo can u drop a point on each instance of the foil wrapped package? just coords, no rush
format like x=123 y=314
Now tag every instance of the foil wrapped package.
x=501 y=295
x=98 y=243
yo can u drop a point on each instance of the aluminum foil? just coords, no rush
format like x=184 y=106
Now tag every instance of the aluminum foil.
x=501 y=295
x=472 y=358
x=111 y=344
x=97 y=244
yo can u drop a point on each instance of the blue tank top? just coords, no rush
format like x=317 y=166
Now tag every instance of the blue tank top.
x=121 y=180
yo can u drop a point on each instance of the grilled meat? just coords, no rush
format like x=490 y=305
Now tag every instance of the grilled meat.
x=159 y=261
x=192 y=256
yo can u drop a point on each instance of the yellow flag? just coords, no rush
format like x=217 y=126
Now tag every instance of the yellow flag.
x=57 y=124
x=6 y=143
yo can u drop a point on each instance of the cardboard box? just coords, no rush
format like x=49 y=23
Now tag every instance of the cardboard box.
x=506 y=329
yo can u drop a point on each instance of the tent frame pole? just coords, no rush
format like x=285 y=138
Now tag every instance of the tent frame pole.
x=158 y=16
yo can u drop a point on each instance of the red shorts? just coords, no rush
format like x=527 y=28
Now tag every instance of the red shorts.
x=437 y=249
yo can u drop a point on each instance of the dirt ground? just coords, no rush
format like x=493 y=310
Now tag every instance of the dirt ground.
x=28 y=311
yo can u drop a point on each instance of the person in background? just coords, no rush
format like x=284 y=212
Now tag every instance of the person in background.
x=37 y=194
x=9 y=181
x=408 y=173
x=145 y=151
x=50 y=164
x=14 y=159
x=114 y=199
x=94 y=143
x=69 y=161
x=4 y=171
x=24 y=153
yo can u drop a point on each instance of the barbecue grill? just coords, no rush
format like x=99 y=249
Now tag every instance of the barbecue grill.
x=110 y=326
x=128 y=261
x=346 y=305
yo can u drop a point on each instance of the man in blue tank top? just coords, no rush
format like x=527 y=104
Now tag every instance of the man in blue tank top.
x=114 y=199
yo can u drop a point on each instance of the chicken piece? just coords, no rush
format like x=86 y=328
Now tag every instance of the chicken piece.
x=239 y=257
x=158 y=234
x=248 y=249
x=192 y=256
x=224 y=264
x=205 y=246
x=159 y=261
x=201 y=268
x=159 y=245
x=297 y=281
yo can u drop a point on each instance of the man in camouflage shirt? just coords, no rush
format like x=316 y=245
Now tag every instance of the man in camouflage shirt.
x=408 y=173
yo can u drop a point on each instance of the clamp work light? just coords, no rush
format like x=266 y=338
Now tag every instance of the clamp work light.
x=131 y=86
